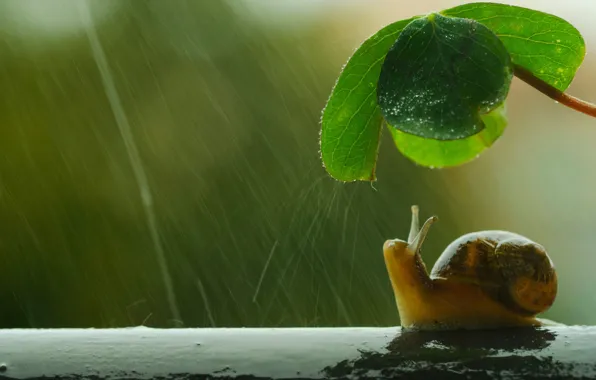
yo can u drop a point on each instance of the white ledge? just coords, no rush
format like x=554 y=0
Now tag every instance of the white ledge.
x=290 y=353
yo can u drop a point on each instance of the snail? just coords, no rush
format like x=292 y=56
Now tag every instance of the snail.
x=482 y=280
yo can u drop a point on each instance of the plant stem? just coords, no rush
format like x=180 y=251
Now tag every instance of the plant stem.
x=553 y=93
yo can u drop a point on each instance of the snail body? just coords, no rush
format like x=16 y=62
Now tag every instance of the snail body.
x=485 y=279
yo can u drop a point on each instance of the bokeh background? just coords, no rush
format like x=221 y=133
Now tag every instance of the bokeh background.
x=233 y=220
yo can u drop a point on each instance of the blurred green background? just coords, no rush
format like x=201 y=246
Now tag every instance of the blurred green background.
x=223 y=100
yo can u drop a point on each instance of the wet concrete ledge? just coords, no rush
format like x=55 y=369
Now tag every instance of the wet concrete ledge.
x=298 y=353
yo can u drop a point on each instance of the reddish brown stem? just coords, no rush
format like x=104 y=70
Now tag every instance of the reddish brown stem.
x=548 y=90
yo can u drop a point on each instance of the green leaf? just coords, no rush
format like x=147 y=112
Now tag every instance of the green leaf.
x=544 y=45
x=548 y=46
x=351 y=121
x=440 y=154
x=441 y=75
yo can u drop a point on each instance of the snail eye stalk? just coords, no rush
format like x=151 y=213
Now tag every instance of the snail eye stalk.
x=417 y=235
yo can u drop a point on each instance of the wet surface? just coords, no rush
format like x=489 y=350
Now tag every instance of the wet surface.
x=497 y=354
x=337 y=353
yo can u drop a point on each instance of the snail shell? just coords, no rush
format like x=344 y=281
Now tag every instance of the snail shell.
x=511 y=269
